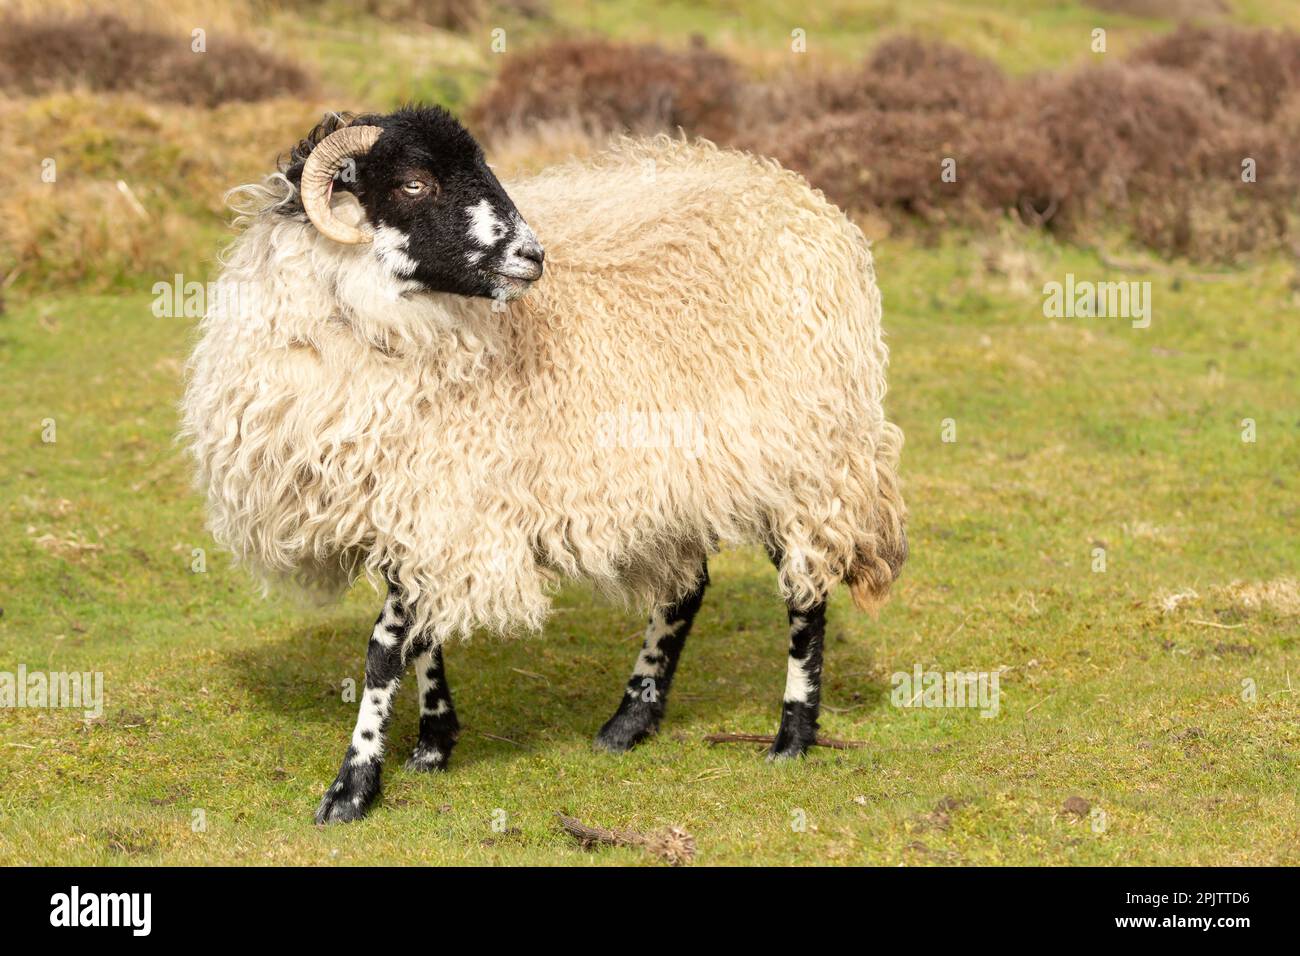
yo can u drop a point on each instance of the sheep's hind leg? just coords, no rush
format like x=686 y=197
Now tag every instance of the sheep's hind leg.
x=803 y=684
x=358 y=781
x=646 y=695
x=439 y=727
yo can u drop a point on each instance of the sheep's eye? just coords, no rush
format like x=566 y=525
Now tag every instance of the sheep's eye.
x=414 y=187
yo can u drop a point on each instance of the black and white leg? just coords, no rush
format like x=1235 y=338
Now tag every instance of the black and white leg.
x=646 y=695
x=439 y=727
x=358 y=781
x=803 y=684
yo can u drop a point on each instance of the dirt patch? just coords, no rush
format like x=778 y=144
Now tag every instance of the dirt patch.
x=1076 y=806
x=129 y=840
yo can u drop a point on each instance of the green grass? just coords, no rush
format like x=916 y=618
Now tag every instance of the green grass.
x=1069 y=434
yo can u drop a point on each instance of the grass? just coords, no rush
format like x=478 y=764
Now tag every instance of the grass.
x=226 y=709
x=1069 y=434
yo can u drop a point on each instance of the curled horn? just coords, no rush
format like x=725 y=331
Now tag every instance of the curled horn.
x=318 y=180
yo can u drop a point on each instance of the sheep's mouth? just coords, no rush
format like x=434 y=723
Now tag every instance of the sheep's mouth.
x=525 y=271
x=511 y=285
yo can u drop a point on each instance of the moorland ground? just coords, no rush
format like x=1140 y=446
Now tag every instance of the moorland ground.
x=1156 y=685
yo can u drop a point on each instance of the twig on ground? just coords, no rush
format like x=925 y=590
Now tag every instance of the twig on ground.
x=1036 y=705
x=673 y=845
x=1225 y=627
x=136 y=206
x=540 y=677
x=497 y=737
x=830 y=742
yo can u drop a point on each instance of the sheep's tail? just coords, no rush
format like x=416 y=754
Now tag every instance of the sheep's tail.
x=876 y=567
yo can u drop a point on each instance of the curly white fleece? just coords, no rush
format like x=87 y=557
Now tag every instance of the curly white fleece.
x=343 y=422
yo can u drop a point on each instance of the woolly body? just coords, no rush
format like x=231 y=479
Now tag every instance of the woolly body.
x=477 y=452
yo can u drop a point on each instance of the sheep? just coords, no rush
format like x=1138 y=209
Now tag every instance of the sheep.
x=403 y=396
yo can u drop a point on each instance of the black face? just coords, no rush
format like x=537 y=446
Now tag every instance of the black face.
x=440 y=215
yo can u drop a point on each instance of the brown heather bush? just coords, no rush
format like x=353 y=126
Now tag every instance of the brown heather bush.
x=613 y=87
x=1139 y=144
x=906 y=73
x=1144 y=145
x=903 y=74
x=100 y=51
x=1135 y=146
x=869 y=159
x=1251 y=72
x=1009 y=166
x=1115 y=128
x=875 y=138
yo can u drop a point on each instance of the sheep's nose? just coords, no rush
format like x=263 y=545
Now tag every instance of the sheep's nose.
x=532 y=251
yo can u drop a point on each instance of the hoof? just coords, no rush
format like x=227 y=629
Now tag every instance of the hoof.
x=350 y=796
x=428 y=759
x=798 y=732
x=783 y=751
x=624 y=731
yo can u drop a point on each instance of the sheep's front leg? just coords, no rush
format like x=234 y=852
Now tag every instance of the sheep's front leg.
x=803 y=684
x=439 y=727
x=358 y=782
x=646 y=695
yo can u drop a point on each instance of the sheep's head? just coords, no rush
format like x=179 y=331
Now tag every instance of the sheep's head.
x=434 y=211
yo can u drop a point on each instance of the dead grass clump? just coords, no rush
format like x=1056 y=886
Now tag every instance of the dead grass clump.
x=613 y=86
x=1170 y=601
x=1006 y=261
x=1281 y=596
x=70 y=546
x=1251 y=72
x=174 y=165
x=519 y=151
x=100 y=51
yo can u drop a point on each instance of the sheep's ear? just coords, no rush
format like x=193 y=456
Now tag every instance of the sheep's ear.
x=347 y=208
